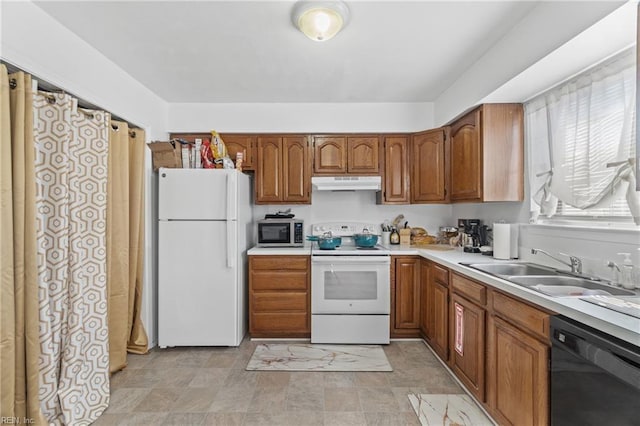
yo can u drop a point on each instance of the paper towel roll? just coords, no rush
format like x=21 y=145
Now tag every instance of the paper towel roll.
x=505 y=241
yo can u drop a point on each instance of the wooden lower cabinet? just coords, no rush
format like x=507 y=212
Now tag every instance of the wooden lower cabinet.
x=405 y=296
x=517 y=375
x=279 y=296
x=438 y=318
x=467 y=359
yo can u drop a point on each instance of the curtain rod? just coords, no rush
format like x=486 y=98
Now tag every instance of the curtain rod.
x=49 y=87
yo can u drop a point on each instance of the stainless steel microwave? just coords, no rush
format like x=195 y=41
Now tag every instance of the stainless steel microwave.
x=280 y=233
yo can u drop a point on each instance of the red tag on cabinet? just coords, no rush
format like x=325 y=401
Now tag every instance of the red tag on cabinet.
x=459 y=329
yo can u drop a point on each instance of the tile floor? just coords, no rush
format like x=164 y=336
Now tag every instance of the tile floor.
x=209 y=386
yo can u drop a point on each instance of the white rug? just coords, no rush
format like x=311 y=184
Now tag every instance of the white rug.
x=448 y=410
x=308 y=357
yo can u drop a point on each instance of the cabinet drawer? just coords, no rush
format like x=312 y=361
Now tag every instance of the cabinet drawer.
x=281 y=280
x=440 y=274
x=471 y=289
x=281 y=301
x=280 y=263
x=521 y=314
x=278 y=323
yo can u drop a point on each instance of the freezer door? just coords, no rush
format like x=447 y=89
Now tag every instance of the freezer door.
x=197 y=194
x=198 y=295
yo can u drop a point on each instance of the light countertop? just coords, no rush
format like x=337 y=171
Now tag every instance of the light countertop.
x=623 y=326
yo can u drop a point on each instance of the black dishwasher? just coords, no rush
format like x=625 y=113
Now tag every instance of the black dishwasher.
x=595 y=378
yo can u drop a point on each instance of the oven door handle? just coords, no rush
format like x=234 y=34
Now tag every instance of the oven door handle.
x=614 y=364
x=381 y=260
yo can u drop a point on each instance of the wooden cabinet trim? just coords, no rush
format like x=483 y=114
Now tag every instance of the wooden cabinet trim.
x=470 y=366
x=516 y=359
x=329 y=155
x=474 y=291
x=279 y=301
x=440 y=274
x=276 y=262
x=396 y=179
x=523 y=315
x=363 y=155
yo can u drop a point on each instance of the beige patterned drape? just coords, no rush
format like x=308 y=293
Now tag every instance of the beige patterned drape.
x=71 y=195
x=19 y=342
x=125 y=233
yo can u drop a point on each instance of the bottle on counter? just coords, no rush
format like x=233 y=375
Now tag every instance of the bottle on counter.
x=627 y=272
x=394 y=238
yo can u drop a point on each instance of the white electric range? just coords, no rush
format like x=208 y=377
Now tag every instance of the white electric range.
x=350 y=288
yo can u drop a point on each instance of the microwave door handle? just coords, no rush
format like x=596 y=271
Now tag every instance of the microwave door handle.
x=613 y=364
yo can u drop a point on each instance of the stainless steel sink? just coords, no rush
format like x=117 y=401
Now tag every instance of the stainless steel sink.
x=512 y=269
x=547 y=280
x=560 y=285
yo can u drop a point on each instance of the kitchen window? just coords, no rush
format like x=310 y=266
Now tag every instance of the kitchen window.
x=581 y=143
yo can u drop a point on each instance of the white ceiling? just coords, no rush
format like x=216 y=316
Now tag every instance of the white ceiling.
x=249 y=51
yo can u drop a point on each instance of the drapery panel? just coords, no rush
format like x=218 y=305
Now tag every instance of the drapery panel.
x=71 y=196
x=581 y=139
x=125 y=233
x=19 y=342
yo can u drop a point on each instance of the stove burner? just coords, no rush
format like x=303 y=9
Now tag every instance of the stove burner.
x=367 y=248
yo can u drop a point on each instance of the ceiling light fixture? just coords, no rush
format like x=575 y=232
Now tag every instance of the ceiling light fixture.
x=320 y=20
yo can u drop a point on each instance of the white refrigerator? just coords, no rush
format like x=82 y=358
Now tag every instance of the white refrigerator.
x=204 y=230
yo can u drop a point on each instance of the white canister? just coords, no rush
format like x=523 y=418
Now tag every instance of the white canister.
x=505 y=241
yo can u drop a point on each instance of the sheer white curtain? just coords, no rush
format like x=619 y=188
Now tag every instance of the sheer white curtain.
x=581 y=140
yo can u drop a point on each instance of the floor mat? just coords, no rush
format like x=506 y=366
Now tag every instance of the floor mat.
x=448 y=410
x=309 y=357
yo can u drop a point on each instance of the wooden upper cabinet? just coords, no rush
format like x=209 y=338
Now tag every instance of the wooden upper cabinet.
x=330 y=155
x=282 y=172
x=362 y=155
x=396 y=170
x=340 y=154
x=466 y=168
x=269 y=170
x=241 y=143
x=430 y=166
x=487 y=154
x=295 y=166
x=234 y=142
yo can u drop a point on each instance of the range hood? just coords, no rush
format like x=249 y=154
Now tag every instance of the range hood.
x=346 y=183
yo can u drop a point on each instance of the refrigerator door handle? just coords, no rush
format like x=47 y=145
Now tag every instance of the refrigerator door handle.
x=231 y=199
x=231 y=244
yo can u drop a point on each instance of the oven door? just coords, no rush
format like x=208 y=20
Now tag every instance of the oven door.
x=350 y=284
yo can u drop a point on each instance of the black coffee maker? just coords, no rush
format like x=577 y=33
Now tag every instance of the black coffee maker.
x=472 y=234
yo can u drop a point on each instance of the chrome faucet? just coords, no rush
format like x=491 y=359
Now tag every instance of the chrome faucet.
x=574 y=263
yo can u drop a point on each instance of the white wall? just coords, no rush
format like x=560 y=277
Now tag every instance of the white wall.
x=611 y=34
x=38 y=44
x=360 y=206
x=544 y=29
x=306 y=118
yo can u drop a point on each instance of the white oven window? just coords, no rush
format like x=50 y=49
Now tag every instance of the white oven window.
x=350 y=285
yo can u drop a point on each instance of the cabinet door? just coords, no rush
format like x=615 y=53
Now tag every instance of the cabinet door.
x=467 y=344
x=425 y=329
x=269 y=170
x=241 y=143
x=466 y=158
x=407 y=294
x=396 y=170
x=429 y=174
x=517 y=375
x=438 y=318
x=330 y=155
x=362 y=155
x=296 y=180
x=279 y=297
